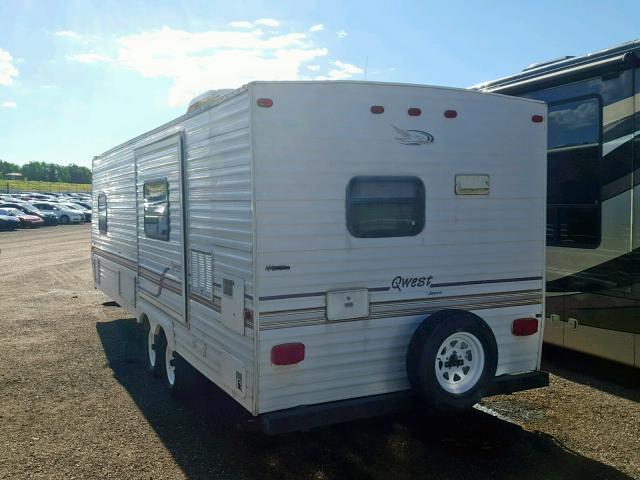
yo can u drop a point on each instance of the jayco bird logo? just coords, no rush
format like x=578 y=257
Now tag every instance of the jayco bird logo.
x=412 y=137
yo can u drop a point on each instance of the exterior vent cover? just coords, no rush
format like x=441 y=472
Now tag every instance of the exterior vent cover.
x=202 y=273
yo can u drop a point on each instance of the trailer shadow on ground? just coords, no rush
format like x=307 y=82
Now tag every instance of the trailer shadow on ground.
x=605 y=375
x=199 y=432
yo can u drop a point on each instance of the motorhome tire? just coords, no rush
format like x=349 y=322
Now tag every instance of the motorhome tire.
x=452 y=357
x=154 y=345
x=180 y=376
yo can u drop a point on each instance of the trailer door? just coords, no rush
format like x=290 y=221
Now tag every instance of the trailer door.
x=159 y=191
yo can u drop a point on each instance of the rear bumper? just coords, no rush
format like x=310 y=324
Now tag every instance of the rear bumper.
x=505 y=384
x=312 y=416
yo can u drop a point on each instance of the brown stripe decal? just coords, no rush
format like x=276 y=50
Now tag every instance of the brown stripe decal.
x=401 y=308
x=119 y=259
x=158 y=279
x=386 y=289
x=161 y=280
x=386 y=309
x=214 y=305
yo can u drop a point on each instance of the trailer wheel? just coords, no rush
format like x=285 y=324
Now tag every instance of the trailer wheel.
x=452 y=358
x=154 y=349
x=179 y=374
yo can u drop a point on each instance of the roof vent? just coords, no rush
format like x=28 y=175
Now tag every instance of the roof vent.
x=548 y=62
x=206 y=98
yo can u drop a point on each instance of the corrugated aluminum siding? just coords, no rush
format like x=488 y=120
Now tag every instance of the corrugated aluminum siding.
x=219 y=220
x=114 y=175
x=218 y=186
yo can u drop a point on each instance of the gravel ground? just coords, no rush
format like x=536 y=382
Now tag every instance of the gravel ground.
x=75 y=402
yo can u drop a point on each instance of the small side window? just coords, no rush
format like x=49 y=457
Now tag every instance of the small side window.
x=385 y=206
x=156 y=209
x=102 y=213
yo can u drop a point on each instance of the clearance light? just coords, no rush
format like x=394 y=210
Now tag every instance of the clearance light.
x=537 y=119
x=523 y=327
x=265 y=102
x=414 y=112
x=450 y=113
x=287 y=354
x=377 y=109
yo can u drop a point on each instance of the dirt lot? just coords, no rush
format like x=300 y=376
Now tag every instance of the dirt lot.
x=75 y=402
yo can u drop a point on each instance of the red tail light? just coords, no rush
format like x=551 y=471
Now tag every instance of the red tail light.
x=524 y=326
x=248 y=315
x=450 y=113
x=265 y=102
x=287 y=354
x=414 y=112
x=377 y=109
x=537 y=119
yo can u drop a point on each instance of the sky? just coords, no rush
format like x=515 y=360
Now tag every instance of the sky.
x=78 y=77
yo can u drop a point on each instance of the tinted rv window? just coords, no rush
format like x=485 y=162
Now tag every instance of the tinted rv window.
x=385 y=206
x=573 y=173
x=156 y=209
x=102 y=213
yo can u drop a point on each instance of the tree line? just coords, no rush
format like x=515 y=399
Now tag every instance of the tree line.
x=47 y=172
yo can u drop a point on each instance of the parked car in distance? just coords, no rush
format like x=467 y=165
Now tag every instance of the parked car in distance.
x=81 y=203
x=73 y=205
x=8 y=222
x=49 y=218
x=65 y=214
x=26 y=220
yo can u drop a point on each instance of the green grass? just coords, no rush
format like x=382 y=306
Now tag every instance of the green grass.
x=12 y=186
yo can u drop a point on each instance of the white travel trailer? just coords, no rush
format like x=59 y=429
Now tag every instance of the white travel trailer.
x=325 y=251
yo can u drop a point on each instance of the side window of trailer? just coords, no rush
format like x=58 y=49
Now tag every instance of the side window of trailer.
x=156 y=209
x=102 y=213
x=389 y=206
x=573 y=173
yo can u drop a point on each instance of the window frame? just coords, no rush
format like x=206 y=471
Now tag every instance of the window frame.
x=166 y=237
x=555 y=242
x=101 y=230
x=390 y=179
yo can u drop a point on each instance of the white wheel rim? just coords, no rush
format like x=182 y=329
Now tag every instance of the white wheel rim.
x=171 y=369
x=459 y=362
x=151 y=338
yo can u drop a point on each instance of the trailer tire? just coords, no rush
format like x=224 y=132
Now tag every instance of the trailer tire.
x=452 y=358
x=180 y=376
x=154 y=345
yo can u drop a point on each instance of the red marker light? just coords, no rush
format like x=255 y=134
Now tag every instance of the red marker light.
x=537 y=119
x=377 y=109
x=523 y=327
x=450 y=113
x=265 y=102
x=414 y=112
x=287 y=354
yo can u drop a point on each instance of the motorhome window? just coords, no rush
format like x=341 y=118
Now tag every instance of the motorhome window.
x=156 y=209
x=102 y=213
x=385 y=206
x=573 y=173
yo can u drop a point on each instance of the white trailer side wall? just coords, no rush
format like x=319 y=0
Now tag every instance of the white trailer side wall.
x=218 y=196
x=115 y=269
x=308 y=146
